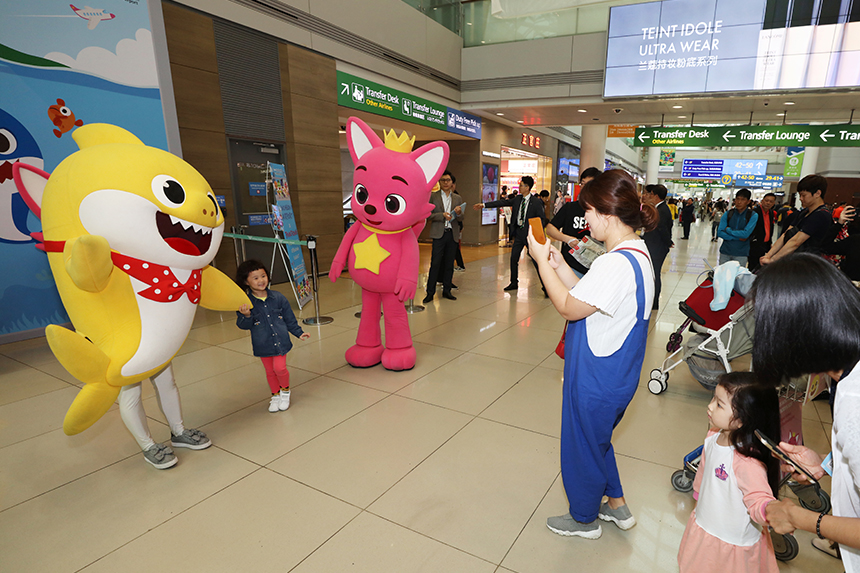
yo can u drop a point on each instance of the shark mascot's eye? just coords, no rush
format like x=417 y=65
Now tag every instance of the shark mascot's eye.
x=395 y=204
x=168 y=190
x=8 y=143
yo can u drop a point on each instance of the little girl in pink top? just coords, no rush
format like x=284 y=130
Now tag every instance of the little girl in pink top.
x=736 y=479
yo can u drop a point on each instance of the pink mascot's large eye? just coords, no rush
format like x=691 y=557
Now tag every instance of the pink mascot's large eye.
x=395 y=204
x=361 y=194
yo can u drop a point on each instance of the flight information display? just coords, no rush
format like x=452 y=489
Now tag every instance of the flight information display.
x=699 y=46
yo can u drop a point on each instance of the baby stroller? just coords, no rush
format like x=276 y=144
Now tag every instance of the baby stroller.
x=792 y=396
x=719 y=338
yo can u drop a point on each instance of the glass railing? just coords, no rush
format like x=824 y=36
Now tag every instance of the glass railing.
x=446 y=12
x=518 y=21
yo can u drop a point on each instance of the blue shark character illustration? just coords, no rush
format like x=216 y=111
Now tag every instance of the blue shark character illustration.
x=16 y=144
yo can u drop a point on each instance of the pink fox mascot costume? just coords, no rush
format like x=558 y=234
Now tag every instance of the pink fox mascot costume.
x=391 y=200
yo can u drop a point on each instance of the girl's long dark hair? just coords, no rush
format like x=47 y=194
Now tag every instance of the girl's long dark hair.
x=755 y=407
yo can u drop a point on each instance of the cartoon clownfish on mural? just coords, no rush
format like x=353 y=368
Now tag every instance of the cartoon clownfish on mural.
x=62 y=117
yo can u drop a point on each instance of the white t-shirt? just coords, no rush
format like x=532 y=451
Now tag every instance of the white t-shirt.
x=610 y=286
x=845 y=487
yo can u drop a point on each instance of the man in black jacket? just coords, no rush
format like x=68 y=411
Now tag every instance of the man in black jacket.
x=688 y=217
x=658 y=241
x=524 y=206
x=761 y=239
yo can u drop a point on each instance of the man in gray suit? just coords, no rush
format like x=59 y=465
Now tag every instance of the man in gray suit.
x=445 y=233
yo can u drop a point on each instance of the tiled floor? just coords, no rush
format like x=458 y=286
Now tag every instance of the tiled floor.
x=450 y=467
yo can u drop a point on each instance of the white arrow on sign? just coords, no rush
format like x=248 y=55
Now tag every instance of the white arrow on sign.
x=641 y=135
x=726 y=137
x=345 y=89
x=825 y=134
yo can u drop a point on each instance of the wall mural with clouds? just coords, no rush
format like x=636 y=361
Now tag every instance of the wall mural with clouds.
x=63 y=66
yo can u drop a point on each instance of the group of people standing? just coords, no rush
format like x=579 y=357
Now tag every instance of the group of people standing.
x=607 y=310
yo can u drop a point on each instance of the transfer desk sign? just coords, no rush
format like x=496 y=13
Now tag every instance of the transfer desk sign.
x=750 y=136
x=357 y=93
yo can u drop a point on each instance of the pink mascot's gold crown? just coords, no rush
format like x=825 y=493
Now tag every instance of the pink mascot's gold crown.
x=400 y=144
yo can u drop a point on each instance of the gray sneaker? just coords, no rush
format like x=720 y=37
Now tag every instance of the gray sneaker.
x=191 y=439
x=568 y=526
x=160 y=456
x=621 y=516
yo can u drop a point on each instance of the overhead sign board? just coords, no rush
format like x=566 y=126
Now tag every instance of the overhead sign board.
x=723 y=169
x=750 y=136
x=708 y=46
x=753 y=166
x=621 y=131
x=702 y=169
x=759 y=181
x=357 y=93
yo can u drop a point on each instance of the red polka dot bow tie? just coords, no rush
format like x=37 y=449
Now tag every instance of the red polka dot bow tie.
x=163 y=284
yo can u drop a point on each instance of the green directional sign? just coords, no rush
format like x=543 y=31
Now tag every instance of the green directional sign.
x=750 y=136
x=359 y=93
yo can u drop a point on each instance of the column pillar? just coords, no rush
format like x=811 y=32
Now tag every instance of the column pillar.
x=593 y=151
x=810 y=161
x=652 y=173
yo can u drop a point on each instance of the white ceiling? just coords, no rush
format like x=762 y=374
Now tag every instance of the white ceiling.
x=829 y=107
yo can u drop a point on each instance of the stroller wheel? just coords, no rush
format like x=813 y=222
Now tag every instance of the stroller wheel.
x=785 y=547
x=657 y=385
x=675 y=340
x=818 y=503
x=681 y=482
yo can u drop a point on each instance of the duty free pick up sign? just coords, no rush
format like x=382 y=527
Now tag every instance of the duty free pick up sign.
x=749 y=136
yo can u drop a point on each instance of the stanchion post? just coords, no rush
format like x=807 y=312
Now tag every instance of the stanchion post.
x=234 y=231
x=412 y=308
x=316 y=319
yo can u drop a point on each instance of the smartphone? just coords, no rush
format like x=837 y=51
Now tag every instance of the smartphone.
x=537 y=229
x=772 y=446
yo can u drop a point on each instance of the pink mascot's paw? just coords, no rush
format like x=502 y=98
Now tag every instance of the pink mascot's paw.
x=399 y=358
x=364 y=356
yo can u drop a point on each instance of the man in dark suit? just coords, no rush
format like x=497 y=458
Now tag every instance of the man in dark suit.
x=761 y=239
x=658 y=241
x=524 y=206
x=445 y=233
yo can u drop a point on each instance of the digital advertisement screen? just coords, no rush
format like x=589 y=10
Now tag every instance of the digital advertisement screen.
x=698 y=46
x=489 y=192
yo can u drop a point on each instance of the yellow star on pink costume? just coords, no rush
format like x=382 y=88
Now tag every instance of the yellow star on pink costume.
x=369 y=255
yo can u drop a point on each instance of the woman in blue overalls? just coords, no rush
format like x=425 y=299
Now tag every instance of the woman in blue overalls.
x=608 y=311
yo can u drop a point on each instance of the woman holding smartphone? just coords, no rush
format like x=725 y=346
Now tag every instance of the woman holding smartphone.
x=607 y=312
x=807 y=316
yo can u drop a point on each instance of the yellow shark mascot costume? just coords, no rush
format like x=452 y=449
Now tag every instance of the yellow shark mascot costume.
x=130 y=231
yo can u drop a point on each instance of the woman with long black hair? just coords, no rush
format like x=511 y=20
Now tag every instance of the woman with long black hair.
x=807 y=316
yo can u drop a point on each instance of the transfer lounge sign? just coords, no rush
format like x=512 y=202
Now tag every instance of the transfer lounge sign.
x=357 y=93
x=750 y=136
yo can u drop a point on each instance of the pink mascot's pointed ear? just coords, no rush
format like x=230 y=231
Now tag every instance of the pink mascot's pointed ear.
x=30 y=182
x=361 y=139
x=433 y=159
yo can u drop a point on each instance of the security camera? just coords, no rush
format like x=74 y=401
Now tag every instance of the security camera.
x=767 y=103
x=618 y=110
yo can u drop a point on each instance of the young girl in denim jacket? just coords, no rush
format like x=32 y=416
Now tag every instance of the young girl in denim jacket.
x=270 y=320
